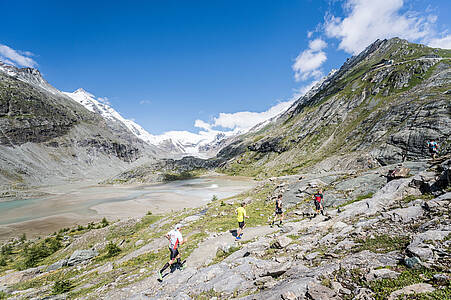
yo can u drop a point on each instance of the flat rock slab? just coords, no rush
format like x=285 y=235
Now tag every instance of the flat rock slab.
x=155 y=245
x=412 y=289
x=58 y=265
x=80 y=256
x=206 y=251
x=17 y=277
x=404 y=214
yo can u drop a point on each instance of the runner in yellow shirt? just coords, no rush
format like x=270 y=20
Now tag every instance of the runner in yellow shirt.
x=241 y=214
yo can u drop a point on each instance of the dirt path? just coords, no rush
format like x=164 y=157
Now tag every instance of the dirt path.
x=206 y=251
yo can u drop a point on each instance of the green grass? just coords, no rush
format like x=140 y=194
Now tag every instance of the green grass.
x=221 y=255
x=172 y=176
x=359 y=198
x=384 y=287
x=61 y=286
x=382 y=243
x=411 y=198
x=207 y=295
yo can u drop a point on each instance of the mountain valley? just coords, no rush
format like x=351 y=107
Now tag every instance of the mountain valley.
x=360 y=135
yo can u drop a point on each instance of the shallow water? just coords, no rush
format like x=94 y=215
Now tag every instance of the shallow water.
x=83 y=201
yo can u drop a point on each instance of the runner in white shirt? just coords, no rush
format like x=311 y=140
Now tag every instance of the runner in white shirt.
x=175 y=239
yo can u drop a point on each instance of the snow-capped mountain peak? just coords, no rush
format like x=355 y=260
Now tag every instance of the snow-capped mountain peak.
x=174 y=142
x=28 y=75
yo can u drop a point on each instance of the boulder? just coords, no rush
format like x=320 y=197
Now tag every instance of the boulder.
x=412 y=262
x=58 y=265
x=381 y=274
x=281 y=242
x=317 y=291
x=398 y=172
x=277 y=270
x=422 y=251
x=289 y=296
x=80 y=256
x=225 y=248
x=338 y=288
x=362 y=185
x=412 y=289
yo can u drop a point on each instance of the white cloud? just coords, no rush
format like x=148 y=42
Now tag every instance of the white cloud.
x=444 y=42
x=368 y=20
x=245 y=119
x=202 y=124
x=142 y=102
x=308 y=62
x=17 y=58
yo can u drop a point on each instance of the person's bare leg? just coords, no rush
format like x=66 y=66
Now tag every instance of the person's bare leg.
x=274 y=220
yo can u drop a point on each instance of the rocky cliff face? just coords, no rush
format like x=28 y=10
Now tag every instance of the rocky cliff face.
x=42 y=131
x=379 y=108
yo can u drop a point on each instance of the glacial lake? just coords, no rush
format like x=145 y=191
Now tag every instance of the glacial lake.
x=68 y=205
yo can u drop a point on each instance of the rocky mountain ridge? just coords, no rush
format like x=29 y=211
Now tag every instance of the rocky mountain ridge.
x=43 y=131
x=379 y=108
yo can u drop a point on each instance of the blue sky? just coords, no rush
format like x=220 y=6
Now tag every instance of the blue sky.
x=166 y=64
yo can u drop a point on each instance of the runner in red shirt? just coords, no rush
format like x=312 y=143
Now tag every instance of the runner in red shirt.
x=318 y=199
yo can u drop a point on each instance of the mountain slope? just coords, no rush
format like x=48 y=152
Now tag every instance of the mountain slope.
x=45 y=137
x=379 y=108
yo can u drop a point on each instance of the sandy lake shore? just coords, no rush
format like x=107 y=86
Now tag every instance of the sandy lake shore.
x=71 y=205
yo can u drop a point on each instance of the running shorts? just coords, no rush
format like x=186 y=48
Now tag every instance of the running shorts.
x=317 y=205
x=174 y=253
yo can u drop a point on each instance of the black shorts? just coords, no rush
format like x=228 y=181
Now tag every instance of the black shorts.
x=317 y=205
x=241 y=224
x=279 y=212
x=432 y=151
x=174 y=253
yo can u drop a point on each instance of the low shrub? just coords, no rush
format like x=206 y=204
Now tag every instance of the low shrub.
x=112 y=249
x=61 y=286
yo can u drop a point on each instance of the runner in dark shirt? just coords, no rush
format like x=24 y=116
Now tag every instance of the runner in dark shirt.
x=278 y=212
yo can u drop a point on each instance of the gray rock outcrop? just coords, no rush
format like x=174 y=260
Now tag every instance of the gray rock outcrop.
x=80 y=256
